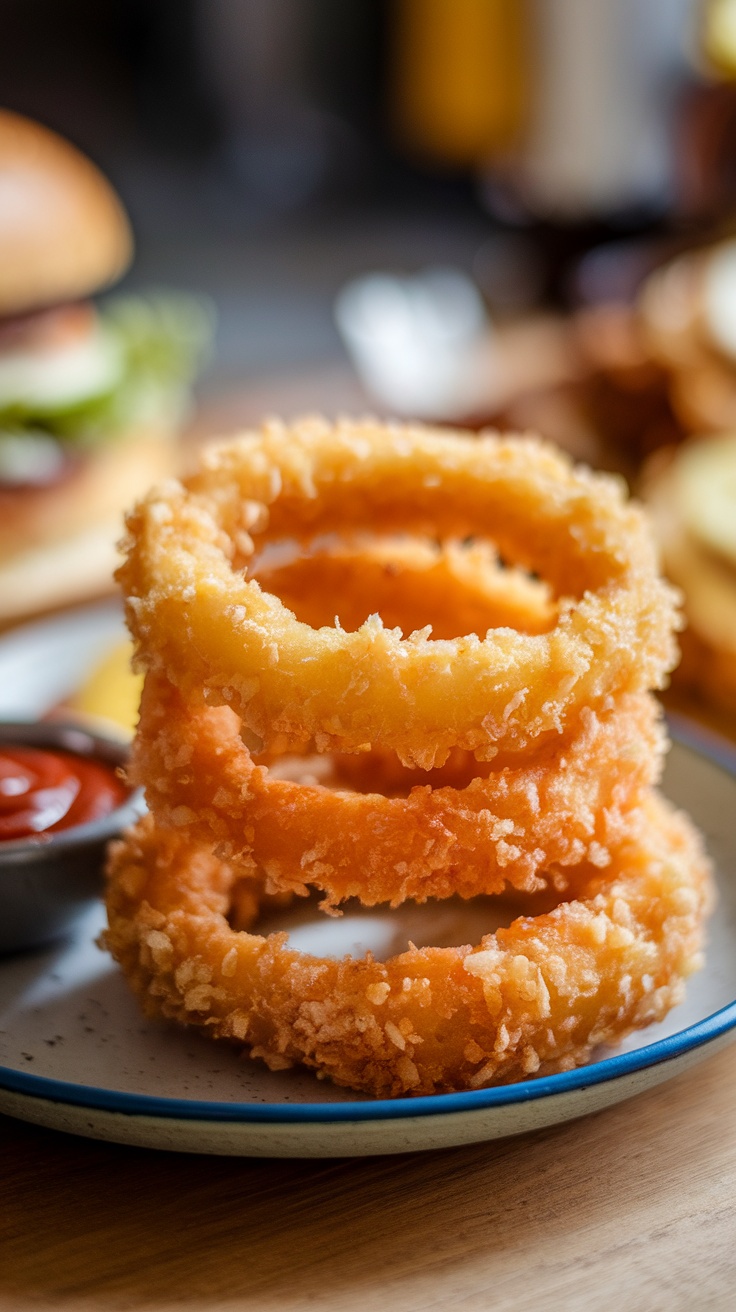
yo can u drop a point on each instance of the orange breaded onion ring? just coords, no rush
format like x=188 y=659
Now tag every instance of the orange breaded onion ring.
x=199 y=621
x=536 y=997
x=563 y=806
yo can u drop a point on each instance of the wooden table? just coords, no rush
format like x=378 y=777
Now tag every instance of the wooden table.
x=634 y=1207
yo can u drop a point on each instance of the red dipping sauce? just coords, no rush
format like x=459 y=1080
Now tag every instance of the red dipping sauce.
x=42 y=792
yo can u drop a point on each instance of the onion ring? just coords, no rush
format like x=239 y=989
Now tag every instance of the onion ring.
x=504 y=829
x=197 y=619
x=534 y=998
x=527 y=702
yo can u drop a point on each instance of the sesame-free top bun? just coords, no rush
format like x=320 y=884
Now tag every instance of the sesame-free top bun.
x=63 y=231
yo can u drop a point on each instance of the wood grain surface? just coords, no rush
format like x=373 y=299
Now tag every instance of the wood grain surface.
x=632 y=1207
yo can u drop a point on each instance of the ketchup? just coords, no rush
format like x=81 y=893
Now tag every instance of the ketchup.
x=43 y=791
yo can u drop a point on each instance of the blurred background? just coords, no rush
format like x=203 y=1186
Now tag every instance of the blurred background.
x=270 y=151
x=518 y=213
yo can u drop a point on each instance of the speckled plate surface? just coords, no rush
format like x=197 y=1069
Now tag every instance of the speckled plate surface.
x=76 y=1055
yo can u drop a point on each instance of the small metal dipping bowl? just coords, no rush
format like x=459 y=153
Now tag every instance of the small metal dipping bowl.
x=46 y=884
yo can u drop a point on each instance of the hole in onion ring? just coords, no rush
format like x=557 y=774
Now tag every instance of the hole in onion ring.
x=414 y=584
x=384 y=932
x=371 y=771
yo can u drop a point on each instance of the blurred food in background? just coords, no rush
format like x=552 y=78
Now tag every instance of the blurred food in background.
x=91 y=400
x=519 y=215
x=691 y=494
x=687 y=313
x=111 y=692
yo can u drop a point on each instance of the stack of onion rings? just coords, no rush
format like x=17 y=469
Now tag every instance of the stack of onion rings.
x=291 y=740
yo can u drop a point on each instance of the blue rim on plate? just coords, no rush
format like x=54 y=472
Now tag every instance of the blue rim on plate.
x=702 y=741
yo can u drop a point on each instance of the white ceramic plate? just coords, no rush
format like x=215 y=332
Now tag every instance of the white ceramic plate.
x=76 y=1055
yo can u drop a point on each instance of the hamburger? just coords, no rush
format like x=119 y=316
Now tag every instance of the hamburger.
x=91 y=398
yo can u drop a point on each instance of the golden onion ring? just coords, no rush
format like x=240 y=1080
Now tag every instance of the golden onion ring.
x=196 y=618
x=534 y=998
x=507 y=828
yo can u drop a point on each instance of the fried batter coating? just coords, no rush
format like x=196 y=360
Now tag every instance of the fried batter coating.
x=565 y=806
x=535 y=998
x=468 y=716
x=199 y=621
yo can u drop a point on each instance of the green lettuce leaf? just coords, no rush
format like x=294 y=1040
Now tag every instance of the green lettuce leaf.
x=164 y=340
